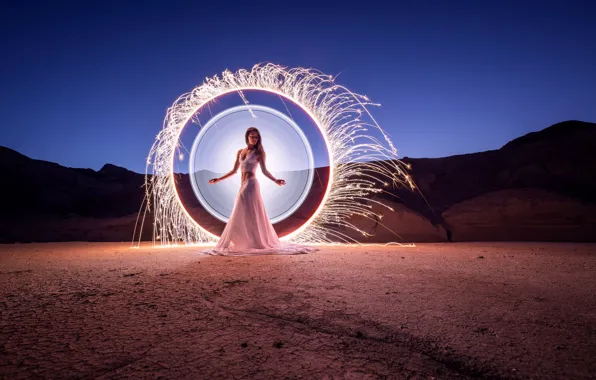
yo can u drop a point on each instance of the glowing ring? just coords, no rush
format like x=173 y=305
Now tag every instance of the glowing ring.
x=314 y=215
x=290 y=122
x=359 y=163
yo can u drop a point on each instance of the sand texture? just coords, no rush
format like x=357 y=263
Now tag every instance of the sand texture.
x=443 y=311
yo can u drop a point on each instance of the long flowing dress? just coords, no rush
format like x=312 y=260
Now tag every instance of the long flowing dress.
x=249 y=230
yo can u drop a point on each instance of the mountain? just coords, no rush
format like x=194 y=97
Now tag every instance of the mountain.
x=536 y=187
x=44 y=201
x=475 y=196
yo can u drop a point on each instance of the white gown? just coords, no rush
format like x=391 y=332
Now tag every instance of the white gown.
x=249 y=230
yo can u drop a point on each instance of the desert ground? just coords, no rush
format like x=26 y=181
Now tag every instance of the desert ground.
x=434 y=311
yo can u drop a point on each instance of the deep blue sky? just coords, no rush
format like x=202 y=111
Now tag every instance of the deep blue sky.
x=86 y=83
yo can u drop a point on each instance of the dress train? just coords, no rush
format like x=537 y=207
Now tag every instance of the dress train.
x=249 y=230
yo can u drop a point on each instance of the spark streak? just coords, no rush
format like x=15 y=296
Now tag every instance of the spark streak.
x=360 y=164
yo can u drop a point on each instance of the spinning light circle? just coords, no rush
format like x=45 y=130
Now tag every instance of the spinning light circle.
x=289 y=154
x=363 y=160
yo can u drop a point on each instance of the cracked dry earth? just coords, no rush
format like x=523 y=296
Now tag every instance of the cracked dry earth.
x=442 y=311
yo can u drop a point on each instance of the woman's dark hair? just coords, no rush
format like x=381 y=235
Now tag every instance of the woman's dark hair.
x=259 y=145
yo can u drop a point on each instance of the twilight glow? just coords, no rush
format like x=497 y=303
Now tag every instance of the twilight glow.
x=363 y=160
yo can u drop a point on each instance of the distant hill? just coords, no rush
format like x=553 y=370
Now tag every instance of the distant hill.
x=35 y=186
x=44 y=201
x=539 y=186
x=558 y=160
x=567 y=130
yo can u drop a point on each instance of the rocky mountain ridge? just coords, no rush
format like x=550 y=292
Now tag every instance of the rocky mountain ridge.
x=537 y=187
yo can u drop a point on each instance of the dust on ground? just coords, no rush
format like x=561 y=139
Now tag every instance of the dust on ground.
x=444 y=311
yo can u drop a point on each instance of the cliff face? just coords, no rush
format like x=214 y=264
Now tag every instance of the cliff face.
x=531 y=183
x=44 y=201
x=40 y=187
x=537 y=187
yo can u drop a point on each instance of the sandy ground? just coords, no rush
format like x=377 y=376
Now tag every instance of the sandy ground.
x=444 y=311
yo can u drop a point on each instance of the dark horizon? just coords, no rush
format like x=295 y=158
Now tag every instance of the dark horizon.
x=316 y=166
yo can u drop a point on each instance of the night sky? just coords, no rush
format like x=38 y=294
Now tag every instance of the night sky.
x=87 y=83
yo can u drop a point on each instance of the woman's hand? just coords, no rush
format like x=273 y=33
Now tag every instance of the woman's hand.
x=280 y=182
x=214 y=180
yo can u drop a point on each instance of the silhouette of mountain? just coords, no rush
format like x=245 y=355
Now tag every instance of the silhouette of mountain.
x=571 y=129
x=536 y=187
x=557 y=160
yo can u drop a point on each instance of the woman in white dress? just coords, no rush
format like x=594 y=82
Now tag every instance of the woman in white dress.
x=249 y=230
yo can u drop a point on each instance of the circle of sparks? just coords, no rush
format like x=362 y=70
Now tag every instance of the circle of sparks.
x=359 y=163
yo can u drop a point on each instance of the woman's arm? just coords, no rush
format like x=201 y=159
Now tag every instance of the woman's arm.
x=231 y=172
x=266 y=172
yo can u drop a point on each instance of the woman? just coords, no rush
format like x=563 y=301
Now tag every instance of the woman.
x=249 y=230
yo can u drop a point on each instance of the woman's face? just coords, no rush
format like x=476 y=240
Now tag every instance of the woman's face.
x=253 y=138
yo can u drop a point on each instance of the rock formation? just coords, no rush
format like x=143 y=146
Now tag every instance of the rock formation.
x=537 y=187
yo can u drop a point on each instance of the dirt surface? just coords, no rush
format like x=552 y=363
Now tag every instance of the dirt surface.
x=444 y=311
